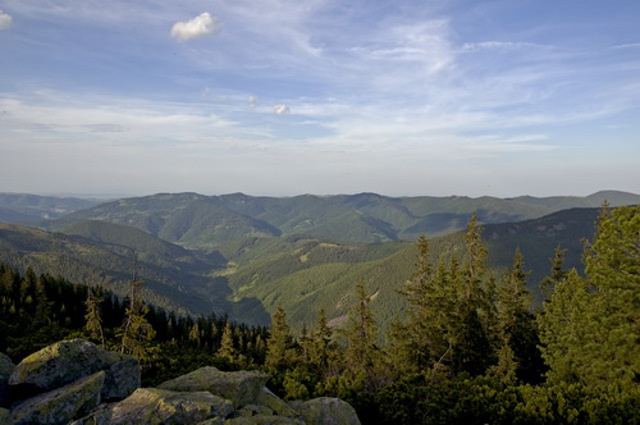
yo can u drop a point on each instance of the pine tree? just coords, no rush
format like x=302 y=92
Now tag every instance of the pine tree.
x=474 y=334
x=558 y=273
x=320 y=343
x=362 y=355
x=591 y=325
x=136 y=332
x=517 y=330
x=227 y=349
x=280 y=353
x=93 y=316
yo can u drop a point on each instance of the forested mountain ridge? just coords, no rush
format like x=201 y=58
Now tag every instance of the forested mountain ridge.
x=100 y=253
x=467 y=347
x=250 y=278
x=204 y=222
x=22 y=207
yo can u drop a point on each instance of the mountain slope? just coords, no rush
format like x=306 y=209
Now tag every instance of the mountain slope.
x=304 y=275
x=22 y=207
x=206 y=222
x=102 y=254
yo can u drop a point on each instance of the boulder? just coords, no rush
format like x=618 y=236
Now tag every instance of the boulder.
x=276 y=404
x=242 y=387
x=262 y=420
x=151 y=406
x=68 y=361
x=326 y=411
x=62 y=405
x=6 y=368
x=5 y=417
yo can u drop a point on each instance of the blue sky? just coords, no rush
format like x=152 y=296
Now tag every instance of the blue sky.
x=280 y=98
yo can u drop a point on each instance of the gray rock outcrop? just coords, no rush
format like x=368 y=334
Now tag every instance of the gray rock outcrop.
x=67 y=361
x=155 y=406
x=242 y=387
x=70 y=394
x=61 y=405
x=326 y=411
x=6 y=368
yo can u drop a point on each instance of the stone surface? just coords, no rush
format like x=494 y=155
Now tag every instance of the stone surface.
x=67 y=361
x=242 y=387
x=62 y=405
x=263 y=420
x=5 y=417
x=151 y=406
x=327 y=411
x=6 y=367
x=276 y=404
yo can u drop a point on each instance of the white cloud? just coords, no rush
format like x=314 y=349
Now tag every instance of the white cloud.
x=5 y=20
x=201 y=25
x=281 y=109
x=503 y=45
x=627 y=46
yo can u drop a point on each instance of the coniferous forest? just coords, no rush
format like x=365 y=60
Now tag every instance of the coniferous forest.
x=471 y=347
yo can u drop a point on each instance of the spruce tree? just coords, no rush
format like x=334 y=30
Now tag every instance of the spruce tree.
x=517 y=331
x=227 y=349
x=362 y=356
x=136 y=332
x=280 y=354
x=93 y=316
x=591 y=325
x=474 y=333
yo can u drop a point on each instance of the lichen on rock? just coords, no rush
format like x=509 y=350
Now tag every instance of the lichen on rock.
x=151 y=406
x=242 y=387
x=67 y=361
x=326 y=411
x=61 y=405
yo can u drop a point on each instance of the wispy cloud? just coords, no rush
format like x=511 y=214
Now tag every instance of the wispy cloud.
x=627 y=46
x=201 y=25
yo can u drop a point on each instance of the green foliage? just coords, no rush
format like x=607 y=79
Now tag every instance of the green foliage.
x=93 y=317
x=589 y=327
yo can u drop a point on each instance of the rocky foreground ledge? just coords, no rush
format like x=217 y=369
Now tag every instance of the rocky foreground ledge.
x=76 y=382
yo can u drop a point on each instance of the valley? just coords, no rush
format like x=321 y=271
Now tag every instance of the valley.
x=244 y=256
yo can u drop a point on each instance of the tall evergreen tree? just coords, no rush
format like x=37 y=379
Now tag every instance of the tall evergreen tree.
x=591 y=325
x=475 y=336
x=280 y=352
x=362 y=355
x=517 y=329
x=558 y=272
x=136 y=332
x=227 y=348
x=93 y=316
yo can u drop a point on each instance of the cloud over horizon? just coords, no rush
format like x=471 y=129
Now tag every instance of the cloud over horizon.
x=201 y=25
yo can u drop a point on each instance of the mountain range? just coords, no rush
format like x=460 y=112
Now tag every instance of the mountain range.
x=244 y=256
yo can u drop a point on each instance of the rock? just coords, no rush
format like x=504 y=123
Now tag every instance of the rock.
x=6 y=367
x=212 y=421
x=155 y=406
x=255 y=410
x=5 y=417
x=327 y=411
x=276 y=404
x=263 y=420
x=67 y=361
x=242 y=387
x=62 y=405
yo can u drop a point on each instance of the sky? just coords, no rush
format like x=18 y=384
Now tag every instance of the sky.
x=285 y=97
